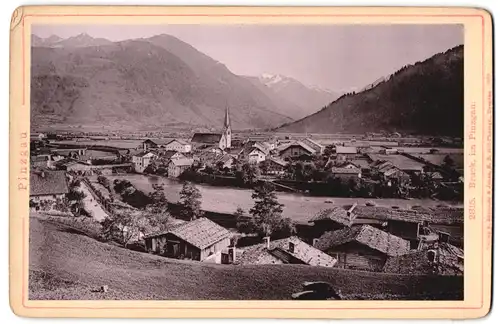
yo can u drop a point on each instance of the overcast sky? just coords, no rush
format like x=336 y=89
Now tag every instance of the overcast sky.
x=337 y=57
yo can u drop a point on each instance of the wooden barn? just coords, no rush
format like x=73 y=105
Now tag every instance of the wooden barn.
x=195 y=240
x=362 y=247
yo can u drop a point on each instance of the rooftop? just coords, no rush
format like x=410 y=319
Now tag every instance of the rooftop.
x=298 y=143
x=200 y=233
x=336 y=214
x=206 y=138
x=346 y=149
x=303 y=252
x=43 y=183
x=182 y=162
x=346 y=170
x=368 y=236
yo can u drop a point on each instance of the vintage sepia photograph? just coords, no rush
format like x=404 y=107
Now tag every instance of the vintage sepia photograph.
x=246 y=162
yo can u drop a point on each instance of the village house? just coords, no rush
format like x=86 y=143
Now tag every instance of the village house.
x=220 y=140
x=275 y=166
x=256 y=156
x=195 y=240
x=346 y=173
x=290 y=250
x=388 y=172
x=142 y=160
x=225 y=161
x=344 y=153
x=314 y=145
x=363 y=164
x=362 y=247
x=48 y=185
x=171 y=155
x=177 y=167
x=178 y=145
x=439 y=258
x=295 y=150
x=41 y=161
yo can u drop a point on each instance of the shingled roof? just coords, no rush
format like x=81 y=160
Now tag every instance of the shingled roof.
x=206 y=138
x=45 y=183
x=448 y=215
x=298 y=143
x=200 y=233
x=302 y=252
x=336 y=170
x=336 y=214
x=366 y=235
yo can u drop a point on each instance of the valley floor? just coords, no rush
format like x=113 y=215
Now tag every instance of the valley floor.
x=65 y=264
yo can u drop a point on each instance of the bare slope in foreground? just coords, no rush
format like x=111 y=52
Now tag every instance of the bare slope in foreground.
x=64 y=264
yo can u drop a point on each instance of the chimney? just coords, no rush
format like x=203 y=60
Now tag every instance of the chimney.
x=268 y=242
x=291 y=247
x=234 y=253
x=42 y=174
x=315 y=242
x=444 y=237
x=350 y=212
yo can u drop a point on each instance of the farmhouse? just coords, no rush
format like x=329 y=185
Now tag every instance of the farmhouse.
x=314 y=145
x=225 y=161
x=178 y=145
x=332 y=219
x=48 y=185
x=157 y=143
x=256 y=156
x=362 y=247
x=40 y=161
x=177 y=166
x=142 y=160
x=296 y=149
x=220 y=140
x=171 y=155
x=438 y=259
x=196 y=240
x=290 y=250
x=346 y=173
x=275 y=166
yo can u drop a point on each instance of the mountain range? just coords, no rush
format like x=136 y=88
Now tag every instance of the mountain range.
x=424 y=98
x=151 y=83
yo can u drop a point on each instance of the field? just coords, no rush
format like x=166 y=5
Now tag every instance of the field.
x=66 y=264
x=438 y=159
x=119 y=143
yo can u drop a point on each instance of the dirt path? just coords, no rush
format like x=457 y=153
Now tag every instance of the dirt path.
x=91 y=204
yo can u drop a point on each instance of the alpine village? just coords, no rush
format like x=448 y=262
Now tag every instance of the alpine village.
x=253 y=203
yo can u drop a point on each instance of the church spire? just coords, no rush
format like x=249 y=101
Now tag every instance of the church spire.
x=227 y=122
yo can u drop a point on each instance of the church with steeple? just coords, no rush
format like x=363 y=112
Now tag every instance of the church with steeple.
x=220 y=140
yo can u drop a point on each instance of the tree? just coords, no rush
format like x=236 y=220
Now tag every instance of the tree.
x=448 y=163
x=265 y=166
x=266 y=219
x=190 y=201
x=248 y=174
x=75 y=195
x=122 y=227
x=329 y=150
x=103 y=181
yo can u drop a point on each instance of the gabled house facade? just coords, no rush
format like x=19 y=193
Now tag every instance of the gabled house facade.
x=362 y=247
x=295 y=150
x=178 y=145
x=177 y=167
x=291 y=250
x=48 y=186
x=142 y=160
x=196 y=240
x=256 y=156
